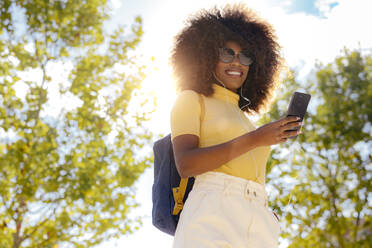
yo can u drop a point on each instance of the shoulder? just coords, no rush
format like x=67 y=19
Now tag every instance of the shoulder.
x=188 y=94
x=188 y=97
x=187 y=100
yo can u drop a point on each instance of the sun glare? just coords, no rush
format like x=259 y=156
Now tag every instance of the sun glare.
x=160 y=84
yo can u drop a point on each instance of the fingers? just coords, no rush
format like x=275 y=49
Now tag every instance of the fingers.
x=288 y=119
x=288 y=134
x=280 y=130
x=291 y=125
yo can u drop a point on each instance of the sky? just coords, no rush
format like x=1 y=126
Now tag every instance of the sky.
x=309 y=31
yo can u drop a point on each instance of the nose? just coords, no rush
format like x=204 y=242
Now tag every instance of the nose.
x=235 y=60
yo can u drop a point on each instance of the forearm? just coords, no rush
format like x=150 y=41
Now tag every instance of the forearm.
x=199 y=160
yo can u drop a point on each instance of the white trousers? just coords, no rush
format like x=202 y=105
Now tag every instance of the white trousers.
x=224 y=211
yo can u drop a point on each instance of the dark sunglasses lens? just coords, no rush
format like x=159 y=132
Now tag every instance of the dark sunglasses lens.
x=226 y=55
x=245 y=59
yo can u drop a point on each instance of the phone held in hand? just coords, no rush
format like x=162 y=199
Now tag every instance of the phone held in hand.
x=298 y=106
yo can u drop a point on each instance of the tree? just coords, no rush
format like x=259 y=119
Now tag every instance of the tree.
x=326 y=172
x=67 y=170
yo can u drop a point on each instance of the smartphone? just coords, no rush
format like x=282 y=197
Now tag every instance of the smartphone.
x=298 y=106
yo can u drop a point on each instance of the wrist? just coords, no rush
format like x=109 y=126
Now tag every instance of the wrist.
x=255 y=139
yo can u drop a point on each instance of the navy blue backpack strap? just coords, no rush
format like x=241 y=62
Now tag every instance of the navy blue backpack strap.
x=168 y=191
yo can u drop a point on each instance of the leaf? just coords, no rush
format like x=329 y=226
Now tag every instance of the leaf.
x=62 y=172
x=330 y=164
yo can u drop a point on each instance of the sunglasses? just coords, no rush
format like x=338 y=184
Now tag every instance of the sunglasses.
x=227 y=55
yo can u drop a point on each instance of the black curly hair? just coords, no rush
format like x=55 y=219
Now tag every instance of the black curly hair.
x=195 y=53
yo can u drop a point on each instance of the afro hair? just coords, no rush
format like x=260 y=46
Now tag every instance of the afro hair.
x=195 y=53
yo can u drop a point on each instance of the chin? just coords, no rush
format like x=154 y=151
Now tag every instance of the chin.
x=234 y=86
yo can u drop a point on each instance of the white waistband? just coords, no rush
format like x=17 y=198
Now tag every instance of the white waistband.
x=222 y=180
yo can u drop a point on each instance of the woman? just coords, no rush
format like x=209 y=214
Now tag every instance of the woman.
x=231 y=58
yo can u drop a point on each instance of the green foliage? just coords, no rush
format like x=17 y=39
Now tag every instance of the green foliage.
x=67 y=172
x=326 y=177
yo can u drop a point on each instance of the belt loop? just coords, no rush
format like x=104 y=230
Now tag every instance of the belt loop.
x=225 y=186
x=246 y=189
x=248 y=192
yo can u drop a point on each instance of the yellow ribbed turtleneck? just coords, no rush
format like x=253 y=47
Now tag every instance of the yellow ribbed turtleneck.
x=222 y=122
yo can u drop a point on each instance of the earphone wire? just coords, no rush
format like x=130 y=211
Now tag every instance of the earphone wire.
x=292 y=150
x=240 y=118
x=292 y=147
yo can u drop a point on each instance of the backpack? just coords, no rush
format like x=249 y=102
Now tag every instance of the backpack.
x=169 y=191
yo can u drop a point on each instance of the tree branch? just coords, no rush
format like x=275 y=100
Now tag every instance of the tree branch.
x=26 y=236
x=5 y=205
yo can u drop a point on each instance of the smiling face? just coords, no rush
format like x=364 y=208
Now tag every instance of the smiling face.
x=232 y=74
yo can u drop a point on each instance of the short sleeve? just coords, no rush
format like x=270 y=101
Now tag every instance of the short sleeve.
x=185 y=114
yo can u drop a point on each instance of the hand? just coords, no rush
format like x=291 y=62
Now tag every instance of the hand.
x=277 y=131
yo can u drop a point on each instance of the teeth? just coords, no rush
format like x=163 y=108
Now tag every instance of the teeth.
x=233 y=73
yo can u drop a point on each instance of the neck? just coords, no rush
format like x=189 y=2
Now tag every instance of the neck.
x=221 y=83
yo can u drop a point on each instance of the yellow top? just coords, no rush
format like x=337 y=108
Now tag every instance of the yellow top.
x=221 y=123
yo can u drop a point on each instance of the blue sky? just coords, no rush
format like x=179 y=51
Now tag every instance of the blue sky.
x=307 y=6
x=308 y=31
x=303 y=6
